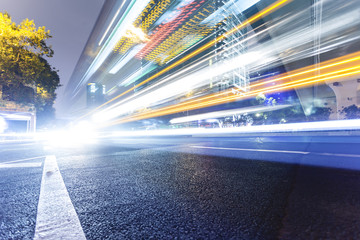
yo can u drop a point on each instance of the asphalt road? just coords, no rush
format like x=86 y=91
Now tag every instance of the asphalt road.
x=187 y=188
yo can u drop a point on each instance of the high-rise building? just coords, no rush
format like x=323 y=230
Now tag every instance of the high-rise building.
x=95 y=95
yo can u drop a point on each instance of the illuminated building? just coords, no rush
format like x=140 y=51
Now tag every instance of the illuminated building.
x=95 y=95
x=166 y=57
x=15 y=117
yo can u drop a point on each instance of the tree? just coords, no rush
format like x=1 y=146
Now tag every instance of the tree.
x=20 y=48
x=351 y=112
x=319 y=114
x=23 y=67
x=46 y=84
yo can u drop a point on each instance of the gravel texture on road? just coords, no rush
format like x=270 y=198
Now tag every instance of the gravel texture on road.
x=144 y=194
x=167 y=189
x=19 y=195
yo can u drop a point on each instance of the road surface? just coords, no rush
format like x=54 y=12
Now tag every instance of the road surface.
x=182 y=188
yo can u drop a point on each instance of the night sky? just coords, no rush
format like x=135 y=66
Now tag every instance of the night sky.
x=70 y=23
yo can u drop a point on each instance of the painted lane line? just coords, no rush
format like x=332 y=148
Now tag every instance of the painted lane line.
x=251 y=150
x=22 y=160
x=339 y=155
x=281 y=151
x=15 y=141
x=19 y=144
x=20 y=165
x=56 y=216
x=16 y=149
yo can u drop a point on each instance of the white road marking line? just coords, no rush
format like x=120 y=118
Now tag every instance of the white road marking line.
x=251 y=150
x=15 y=141
x=339 y=155
x=14 y=149
x=20 y=165
x=56 y=216
x=22 y=160
x=280 y=151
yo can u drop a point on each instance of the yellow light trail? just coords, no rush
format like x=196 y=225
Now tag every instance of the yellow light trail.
x=285 y=86
x=219 y=98
x=348 y=59
x=275 y=6
x=157 y=113
x=194 y=65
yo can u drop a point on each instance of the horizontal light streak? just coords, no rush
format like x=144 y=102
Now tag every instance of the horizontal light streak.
x=337 y=125
x=329 y=64
x=216 y=99
x=226 y=113
x=286 y=86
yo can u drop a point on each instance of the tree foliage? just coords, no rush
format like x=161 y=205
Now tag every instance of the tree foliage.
x=319 y=114
x=351 y=112
x=21 y=47
x=23 y=67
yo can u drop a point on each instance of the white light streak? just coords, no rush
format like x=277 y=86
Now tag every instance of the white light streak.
x=225 y=113
x=176 y=88
x=121 y=63
x=123 y=24
x=343 y=125
x=112 y=21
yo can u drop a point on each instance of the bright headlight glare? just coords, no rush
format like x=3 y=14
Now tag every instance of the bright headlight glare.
x=81 y=134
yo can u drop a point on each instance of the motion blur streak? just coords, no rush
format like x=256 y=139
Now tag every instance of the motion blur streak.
x=111 y=23
x=224 y=113
x=299 y=83
x=289 y=127
x=331 y=72
x=265 y=12
x=348 y=59
x=275 y=6
x=190 y=68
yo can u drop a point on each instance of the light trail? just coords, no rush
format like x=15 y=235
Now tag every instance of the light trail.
x=186 y=70
x=335 y=125
x=118 y=31
x=329 y=64
x=275 y=6
x=216 y=99
x=223 y=100
x=334 y=62
x=225 y=113
x=111 y=23
x=265 y=50
x=190 y=67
